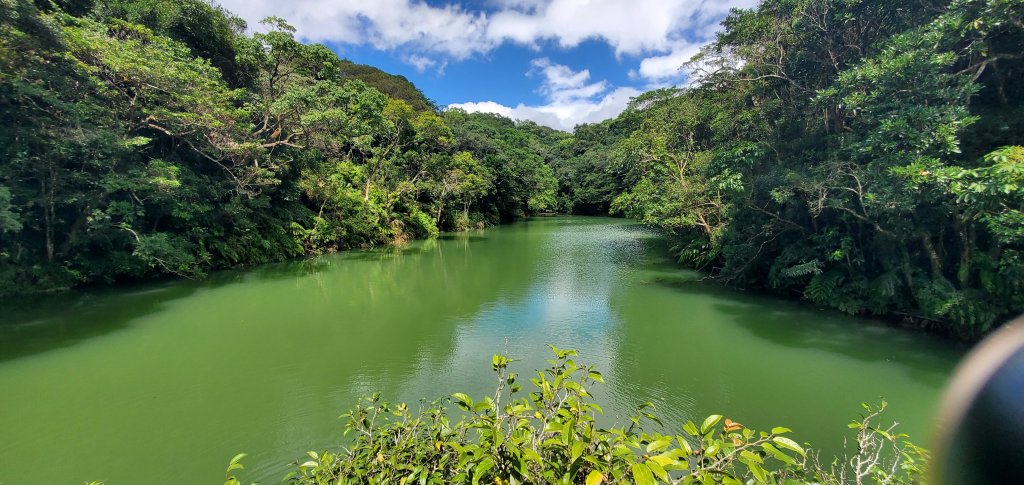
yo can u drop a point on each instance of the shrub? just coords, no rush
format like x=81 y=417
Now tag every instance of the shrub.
x=550 y=435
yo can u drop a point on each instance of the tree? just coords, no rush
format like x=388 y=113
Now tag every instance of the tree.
x=459 y=179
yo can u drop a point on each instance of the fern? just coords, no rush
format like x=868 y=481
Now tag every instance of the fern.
x=936 y=296
x=822 y=286
x=973 y=313
x=802 y=269
x=695 y=253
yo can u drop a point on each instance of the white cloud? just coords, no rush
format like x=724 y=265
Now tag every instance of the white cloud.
x=663 y=34
x=666 y=67
x=634 y=27
x=421 y=63
x=449 y=30
x=557 y=76
x=630 y=27
x=561 y=84
x=487 y=107
x=570 y=99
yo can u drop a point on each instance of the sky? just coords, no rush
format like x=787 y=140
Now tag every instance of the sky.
x=556 y=62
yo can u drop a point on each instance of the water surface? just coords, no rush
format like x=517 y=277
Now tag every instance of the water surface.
x=164 y=383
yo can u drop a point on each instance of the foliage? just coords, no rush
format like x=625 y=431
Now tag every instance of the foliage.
x=516 y=157
x=552 y=435
x=142 y=138
x=859 y=155
x=397 y=87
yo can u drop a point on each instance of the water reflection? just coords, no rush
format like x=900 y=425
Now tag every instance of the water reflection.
x=134 y=382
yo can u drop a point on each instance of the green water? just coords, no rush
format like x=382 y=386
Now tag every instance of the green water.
x=165 y=383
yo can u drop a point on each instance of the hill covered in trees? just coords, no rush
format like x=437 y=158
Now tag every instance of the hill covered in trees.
x=397 y=87
x=864 y=156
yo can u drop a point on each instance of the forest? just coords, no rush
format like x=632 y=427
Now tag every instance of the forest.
x=143 y=138
x=861 y=155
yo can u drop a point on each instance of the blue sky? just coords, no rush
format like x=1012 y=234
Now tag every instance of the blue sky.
x=556 y=62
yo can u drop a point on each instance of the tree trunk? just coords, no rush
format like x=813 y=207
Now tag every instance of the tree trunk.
x=968 y=236
x=933 y=256
x=48 y=212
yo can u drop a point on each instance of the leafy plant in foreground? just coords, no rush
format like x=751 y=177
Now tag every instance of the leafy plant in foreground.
x=551 y=435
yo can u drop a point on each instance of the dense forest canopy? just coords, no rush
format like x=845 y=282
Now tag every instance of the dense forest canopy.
x=861 y=154
x=146 y=137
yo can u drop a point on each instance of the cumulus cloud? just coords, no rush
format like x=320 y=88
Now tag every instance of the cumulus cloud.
x=421 y=63
x=571 y=99
x=452 y=31
x=557 y=76
x=486 y=107
x=448 y=30
x=662 y=34
x=662 y=68
x=630 y=27
x=561 y=84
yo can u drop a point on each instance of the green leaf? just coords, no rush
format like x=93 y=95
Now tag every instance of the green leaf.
x=658 y=445
x=657 y=469
x=752 y=456
x=663 y=460
x=464 y=401
x=642 y=475
x=780 y=430
x=234 y=463
x=499 y=361
x=532 y=455
x=685 y=445
x=653 y=418
x=710 y=422
x=482 y=468
x=577 y=451
x=595 y=478
x=789 y=444
x=759 y=473
x=779 y=455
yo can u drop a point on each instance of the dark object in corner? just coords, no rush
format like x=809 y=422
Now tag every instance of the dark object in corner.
x=981 y=422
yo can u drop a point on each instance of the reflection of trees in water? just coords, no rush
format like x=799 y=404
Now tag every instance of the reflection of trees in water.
x=800 y=325
x=697 y=348
x=429 y=283
x=36 y=324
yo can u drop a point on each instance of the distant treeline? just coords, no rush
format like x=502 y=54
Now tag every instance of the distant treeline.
x=864 y=155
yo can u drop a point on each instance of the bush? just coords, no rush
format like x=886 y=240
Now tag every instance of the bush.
x=550 y=436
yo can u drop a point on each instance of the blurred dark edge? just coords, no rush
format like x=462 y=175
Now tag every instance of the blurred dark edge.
x=980 y=429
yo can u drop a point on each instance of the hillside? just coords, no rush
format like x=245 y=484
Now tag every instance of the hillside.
x=395 y=86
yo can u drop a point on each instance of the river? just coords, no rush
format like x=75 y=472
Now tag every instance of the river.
x=163 y=383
